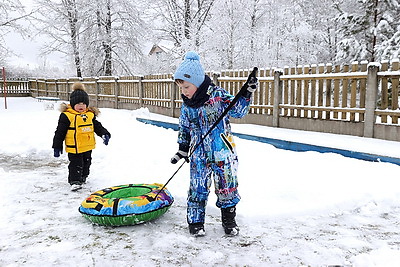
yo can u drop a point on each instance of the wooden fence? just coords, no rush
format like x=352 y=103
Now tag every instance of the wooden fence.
x=15 y=88
x=360 y=99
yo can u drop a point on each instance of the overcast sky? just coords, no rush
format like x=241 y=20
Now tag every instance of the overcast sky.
x=27 y=51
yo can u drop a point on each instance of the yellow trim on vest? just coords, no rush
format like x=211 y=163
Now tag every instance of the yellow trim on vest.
x=80 y=135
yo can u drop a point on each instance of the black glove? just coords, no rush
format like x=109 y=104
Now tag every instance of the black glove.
x=57 y=152
x=178 y=156
x=252 y=84
x=106 y=138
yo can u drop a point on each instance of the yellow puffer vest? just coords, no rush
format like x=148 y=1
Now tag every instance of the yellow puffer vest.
x=80 y=135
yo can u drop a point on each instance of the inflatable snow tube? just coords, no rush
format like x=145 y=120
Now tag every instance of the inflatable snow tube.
x=126 y=204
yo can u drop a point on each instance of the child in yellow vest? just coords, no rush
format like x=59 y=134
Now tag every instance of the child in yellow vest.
x=76 y=127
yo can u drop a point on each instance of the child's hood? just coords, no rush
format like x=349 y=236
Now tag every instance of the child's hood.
x=64 y=107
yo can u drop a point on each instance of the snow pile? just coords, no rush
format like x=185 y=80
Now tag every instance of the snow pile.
x=297 y=208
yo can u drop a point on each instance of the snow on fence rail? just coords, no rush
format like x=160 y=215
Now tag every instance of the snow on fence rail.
x=359 y=99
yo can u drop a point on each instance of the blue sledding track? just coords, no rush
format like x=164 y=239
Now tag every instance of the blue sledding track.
x=290 y=145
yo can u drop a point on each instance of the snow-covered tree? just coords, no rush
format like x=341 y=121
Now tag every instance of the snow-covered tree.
x=226 y=21
x=62 y=23
x=253 y=33
x=12 y=16
x=183 y=21
x=366 y=26
x=103 y=37
x=389 y=27
x=108 y=37
x=322 y=29
x=113 y=36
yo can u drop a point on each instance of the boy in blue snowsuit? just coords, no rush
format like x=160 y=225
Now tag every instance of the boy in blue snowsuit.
x=215 y=158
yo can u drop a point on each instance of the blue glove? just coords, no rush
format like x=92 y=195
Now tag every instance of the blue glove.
x=106 y=138
x=57 y=152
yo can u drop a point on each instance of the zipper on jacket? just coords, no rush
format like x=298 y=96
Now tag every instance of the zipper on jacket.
x=75 y=133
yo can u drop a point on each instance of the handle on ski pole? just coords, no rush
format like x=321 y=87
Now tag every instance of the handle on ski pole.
x=251 y=78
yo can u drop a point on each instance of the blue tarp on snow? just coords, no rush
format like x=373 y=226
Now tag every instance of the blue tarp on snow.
x=290 y=145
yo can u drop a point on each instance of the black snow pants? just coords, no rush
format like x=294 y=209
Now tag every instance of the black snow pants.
x=79 y=167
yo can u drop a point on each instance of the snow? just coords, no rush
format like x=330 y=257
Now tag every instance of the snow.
x=297 y=208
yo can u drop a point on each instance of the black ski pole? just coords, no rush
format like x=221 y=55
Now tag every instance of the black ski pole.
x=238 y=95
x=250 y=78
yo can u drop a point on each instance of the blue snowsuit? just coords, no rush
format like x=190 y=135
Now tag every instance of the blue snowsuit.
x=215 y=158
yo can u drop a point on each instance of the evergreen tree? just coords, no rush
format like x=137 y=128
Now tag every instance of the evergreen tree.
x=389 y=27
x=366 y=26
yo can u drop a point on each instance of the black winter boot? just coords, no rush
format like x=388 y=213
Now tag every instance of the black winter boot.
x=228 y=221
x=197 y=229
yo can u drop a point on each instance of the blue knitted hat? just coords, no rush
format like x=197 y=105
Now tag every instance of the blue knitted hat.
x=190 y=69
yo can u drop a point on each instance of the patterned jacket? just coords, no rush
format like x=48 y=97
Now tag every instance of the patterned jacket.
x=194 y=122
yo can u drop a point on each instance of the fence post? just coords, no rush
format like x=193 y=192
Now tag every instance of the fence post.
x=116 y=92
x=56 y=84
x=67 y=88
x=5 y=88
x=97 y=91
x=37 y=87
x=215 y=77
x=173 y=98
x=370 y=101
x=277 y=97
x=141 y=90
x=45 y=87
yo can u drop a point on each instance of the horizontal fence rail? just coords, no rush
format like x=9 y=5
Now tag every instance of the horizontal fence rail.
x=358 y=99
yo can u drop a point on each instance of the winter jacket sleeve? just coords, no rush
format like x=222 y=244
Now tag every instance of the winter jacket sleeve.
x=240 y=109
x=99 y=128
x=61 y=131
x=184 y=131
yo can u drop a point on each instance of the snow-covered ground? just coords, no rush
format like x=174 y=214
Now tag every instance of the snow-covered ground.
x=297 y=208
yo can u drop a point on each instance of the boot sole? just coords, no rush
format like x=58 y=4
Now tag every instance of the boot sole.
x=200 y=233
x=232 y=231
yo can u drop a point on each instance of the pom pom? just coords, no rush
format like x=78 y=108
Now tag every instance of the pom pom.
x=191 y=55
x=78 y=86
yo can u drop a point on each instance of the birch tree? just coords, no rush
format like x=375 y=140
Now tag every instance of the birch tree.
x=62 y=22
x=183 y=21
x=113 y=37
x=103 y=36
x=72 y=16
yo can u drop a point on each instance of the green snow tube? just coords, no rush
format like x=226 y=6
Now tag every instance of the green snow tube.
x=126 y=204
